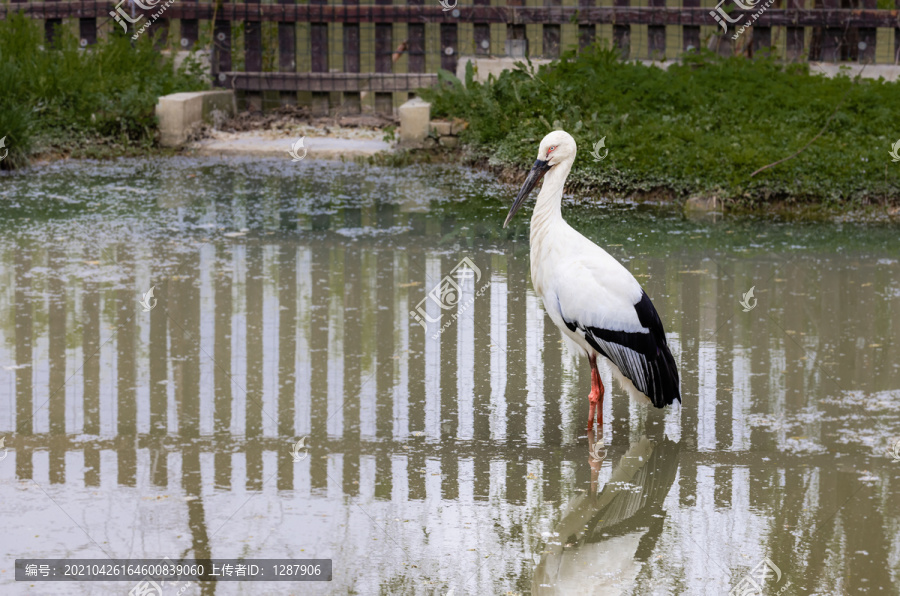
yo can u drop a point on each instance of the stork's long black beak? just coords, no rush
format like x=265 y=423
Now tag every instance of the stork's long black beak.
x=537 y=172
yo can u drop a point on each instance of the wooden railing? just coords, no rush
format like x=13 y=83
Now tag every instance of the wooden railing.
x=376 y=54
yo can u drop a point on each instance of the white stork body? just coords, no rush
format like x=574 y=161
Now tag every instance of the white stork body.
x=597 y=304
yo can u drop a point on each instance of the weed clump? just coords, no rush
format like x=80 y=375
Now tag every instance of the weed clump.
x=702 y=127
x=60 y=97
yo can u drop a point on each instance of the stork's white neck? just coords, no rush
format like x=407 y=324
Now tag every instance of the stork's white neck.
x=547 y=215
x=548 y=207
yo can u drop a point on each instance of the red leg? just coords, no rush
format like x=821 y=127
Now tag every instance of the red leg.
x=596 y=396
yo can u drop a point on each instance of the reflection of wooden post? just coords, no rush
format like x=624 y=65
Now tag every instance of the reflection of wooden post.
x=126 y=412
x=483 y=345
x=415 y=469
x=385 y=350
x=189 y=310
x=90 y=344
x=352 y=360
x=159 y=462
x=760 y=365
x=222 y=372
x=254 y=398
x=481 y=403
x=127 y=308
x=449 y=413
x=724 y=340
x=159 y=357
x=690 y=374
x=516 y=372
x=552 y=367
x=24 y=335
x=56 y=356
x=318 y=355
x=287 y=354
x=192 y=483
x=553 y=404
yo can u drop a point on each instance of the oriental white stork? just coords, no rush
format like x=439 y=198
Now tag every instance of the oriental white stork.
x=598 y=305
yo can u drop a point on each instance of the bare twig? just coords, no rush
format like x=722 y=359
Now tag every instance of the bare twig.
x=813 y=140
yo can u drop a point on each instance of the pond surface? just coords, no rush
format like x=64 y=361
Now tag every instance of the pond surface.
x=446 y=455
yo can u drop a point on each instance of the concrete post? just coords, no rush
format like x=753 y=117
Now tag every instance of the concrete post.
x=415 y=116
x=179 y=111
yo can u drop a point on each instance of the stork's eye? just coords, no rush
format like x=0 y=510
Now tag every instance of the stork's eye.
x=550 y=150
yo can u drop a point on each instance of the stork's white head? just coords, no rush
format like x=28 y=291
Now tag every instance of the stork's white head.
x=556 y=148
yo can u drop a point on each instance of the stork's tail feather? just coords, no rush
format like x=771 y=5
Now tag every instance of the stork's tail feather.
x=669 y=388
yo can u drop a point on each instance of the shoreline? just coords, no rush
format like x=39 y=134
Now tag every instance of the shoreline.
x=580 y=190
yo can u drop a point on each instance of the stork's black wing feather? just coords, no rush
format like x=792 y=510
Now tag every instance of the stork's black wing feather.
x=643 y=357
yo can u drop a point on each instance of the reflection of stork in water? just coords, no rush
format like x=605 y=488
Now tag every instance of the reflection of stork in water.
x=598 y=305
x=605 y=536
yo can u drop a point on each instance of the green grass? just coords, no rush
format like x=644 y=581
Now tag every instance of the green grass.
x=63 y=98
x=700 y=128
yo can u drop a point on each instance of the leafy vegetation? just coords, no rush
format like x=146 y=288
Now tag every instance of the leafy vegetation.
x=701 y=127
x=63 y=98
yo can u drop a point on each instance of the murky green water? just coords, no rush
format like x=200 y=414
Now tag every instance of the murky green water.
x=438 y=460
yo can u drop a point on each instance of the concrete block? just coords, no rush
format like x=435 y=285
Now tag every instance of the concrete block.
x=441 y=127
x=415 y=116
x=178 y=112
x=458 y=126
x=449 y=141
